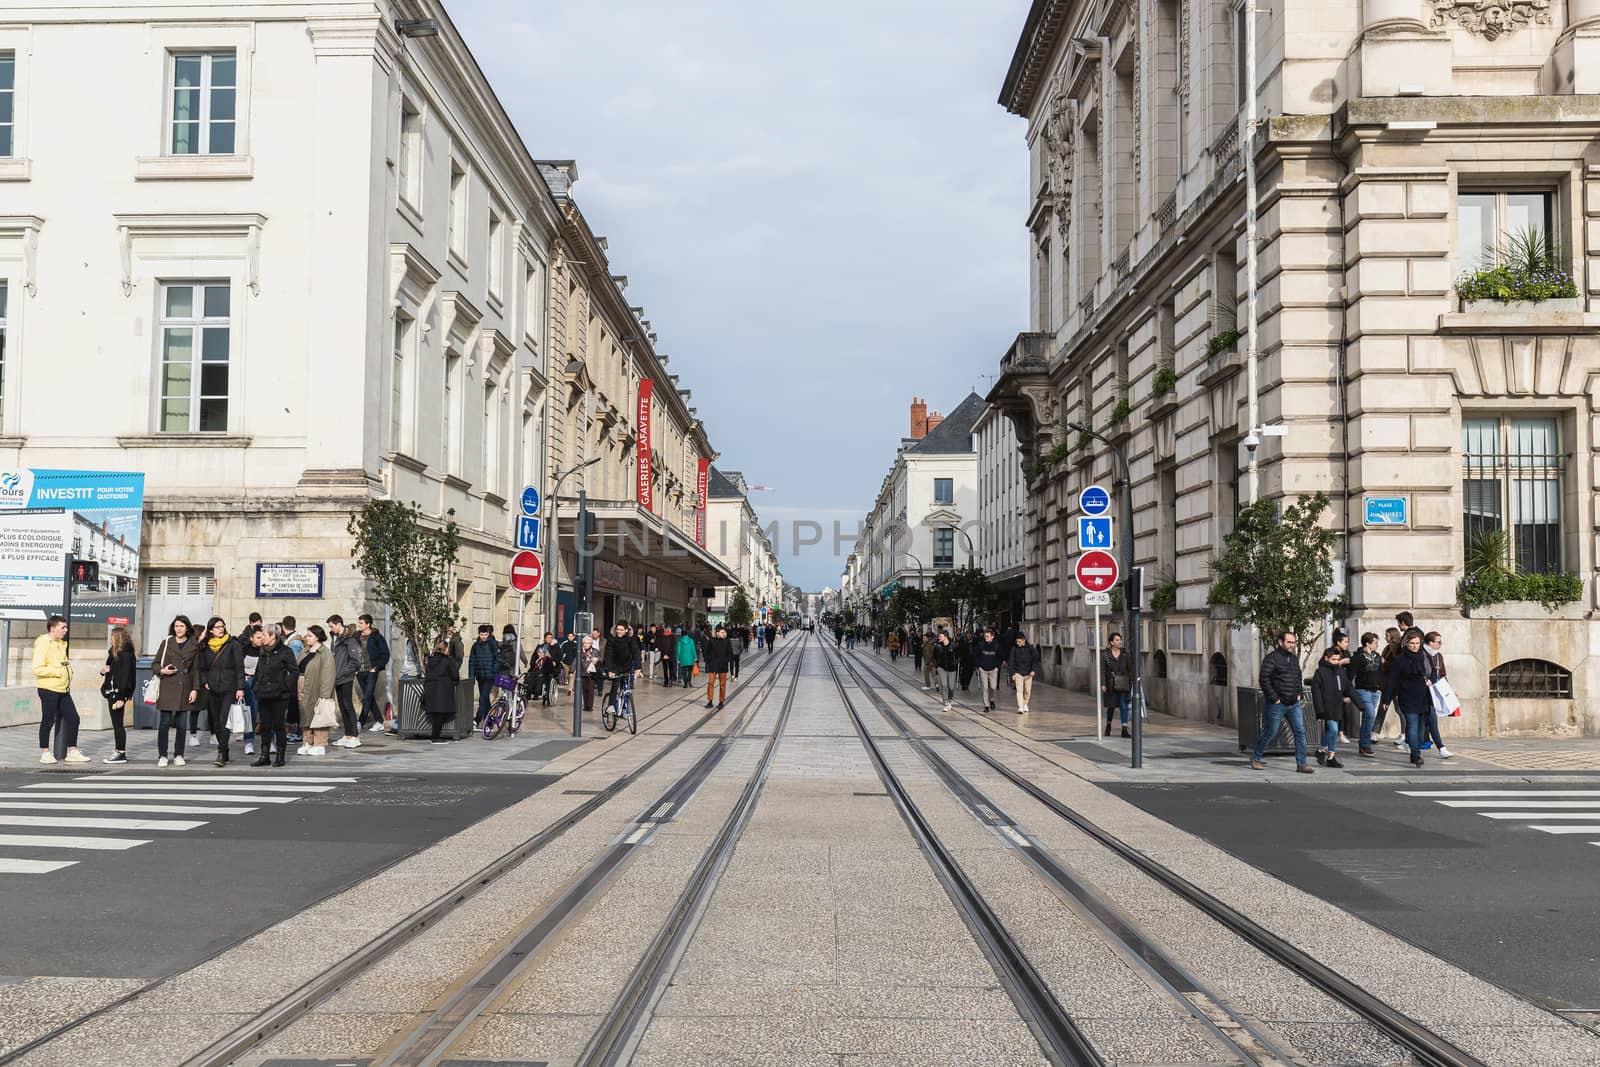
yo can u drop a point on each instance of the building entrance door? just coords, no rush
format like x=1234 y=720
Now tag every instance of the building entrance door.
x=171 y=593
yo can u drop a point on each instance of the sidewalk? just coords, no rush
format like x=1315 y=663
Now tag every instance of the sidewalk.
x=545 y=735
x=1184 y=750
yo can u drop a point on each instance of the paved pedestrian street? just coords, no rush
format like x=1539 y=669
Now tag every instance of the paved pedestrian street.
x=831 y=869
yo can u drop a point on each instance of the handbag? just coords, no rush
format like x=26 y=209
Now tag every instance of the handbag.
x=239 y=718
x=1445 y=701
x=325 y=716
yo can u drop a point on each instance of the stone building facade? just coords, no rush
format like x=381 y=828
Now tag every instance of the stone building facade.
x=1002 y=511
x=1399 y=141
x=735 y=536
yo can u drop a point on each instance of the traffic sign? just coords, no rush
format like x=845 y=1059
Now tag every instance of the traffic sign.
x=1094 y=533
x=1097 y=600
x=1094 y=500
x=530 y=500
x=527 y=533
x=526 y=572
x=1096 y=571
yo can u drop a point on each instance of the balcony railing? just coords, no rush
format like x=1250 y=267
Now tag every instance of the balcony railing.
x=1225 y=149
x=1168 y=215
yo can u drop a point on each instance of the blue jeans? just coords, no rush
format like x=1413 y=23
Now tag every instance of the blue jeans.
x=1414 y=728
x=255 y=708
x=368 y=681
x=1269 y=729
x=1330 y=736
x=1122 y=705
x=1367 y=701
x=485 y=685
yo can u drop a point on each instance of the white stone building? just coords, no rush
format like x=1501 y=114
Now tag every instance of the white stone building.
x=1400 y=142
x=1002 y=511
x=735 y=536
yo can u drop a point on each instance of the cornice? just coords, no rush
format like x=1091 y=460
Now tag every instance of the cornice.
x=1030 y=62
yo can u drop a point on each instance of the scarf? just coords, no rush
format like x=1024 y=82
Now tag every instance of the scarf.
x=216 y=643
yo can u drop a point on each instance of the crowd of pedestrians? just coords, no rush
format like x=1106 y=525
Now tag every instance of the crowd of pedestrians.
x=946 y=660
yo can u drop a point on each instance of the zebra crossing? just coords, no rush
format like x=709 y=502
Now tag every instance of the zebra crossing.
x=1562 y=812
x=43 y=825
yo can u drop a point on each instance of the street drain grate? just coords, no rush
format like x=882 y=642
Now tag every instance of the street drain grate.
x=581 y=792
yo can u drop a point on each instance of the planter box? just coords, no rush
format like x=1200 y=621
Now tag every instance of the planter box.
x=1528 y=610
x=1522 y=307
x=1520 y=317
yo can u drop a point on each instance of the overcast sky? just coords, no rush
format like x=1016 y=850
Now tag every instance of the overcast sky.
x=820 y=207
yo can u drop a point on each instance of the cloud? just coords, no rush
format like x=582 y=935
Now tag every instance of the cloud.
x=819 y=205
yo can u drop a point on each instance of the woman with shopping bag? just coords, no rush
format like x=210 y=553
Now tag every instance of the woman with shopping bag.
x=220 y=662
x=316 y=692
x=1438 y=687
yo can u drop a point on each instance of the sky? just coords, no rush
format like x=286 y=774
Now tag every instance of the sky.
x=820 y=207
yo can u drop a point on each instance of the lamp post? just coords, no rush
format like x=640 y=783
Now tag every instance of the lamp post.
x=553 y=524
x=1131 y=590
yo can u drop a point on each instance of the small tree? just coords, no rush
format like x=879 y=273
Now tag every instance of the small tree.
x=907 y=607
x=407 y=558
x=960 y=594
x=739 y=613
x=1276 y=569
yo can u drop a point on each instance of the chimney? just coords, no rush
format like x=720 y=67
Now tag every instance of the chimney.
x=919 y=418
x=934 y=420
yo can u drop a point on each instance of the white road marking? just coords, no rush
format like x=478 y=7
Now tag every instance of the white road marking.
x=160 y=809
x=1431 y=793
x=98 y=824
x=1540 y=814
x=9 y=866
x=1567 y=829
x=635 y=837
x=1011 y=832
x=98 y=844
x=193 y=798
x=1592 y=805
x=314 y=780
x=189 y=787
x=662 y=810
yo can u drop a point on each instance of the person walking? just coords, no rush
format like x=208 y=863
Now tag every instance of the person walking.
x=916 y=656
x=275 y=682
x=736 y=642
x=53 y=679
x=688 y=653
x=667 y=655
x=345 y=649
x=289 y=637
x=1366 y=686
x=987 y=654
x=719 y=658
x=1330 y=693
x=1432 y=648
x=772 y=637
x=179 y=687
x=930 y=669
x=947 y=664
x=1409 y=690
x=1391 y=648
x=1116 y=682
x=252 y=657
x=316 y=692
x=894 y=646
x=1281 y=688
x=1023 y=663
x=219 y=662
x=509 y=662
x=439 y=679
x=118 y=681
x=374 y=661
x=652 y=652
x=586 y=668
x=482 y=663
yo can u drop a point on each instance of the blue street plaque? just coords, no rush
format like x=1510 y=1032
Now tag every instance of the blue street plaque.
x=530 y=501
x=1386 y=511
x=1094 y=500
x=1094 y=533
x=527 y=533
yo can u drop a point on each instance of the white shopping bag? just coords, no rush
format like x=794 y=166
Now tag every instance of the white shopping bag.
x=1445 y=701
x=239 y=719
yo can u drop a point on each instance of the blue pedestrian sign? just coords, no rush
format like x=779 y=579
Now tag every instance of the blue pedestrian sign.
x=527 y=533
x=1094 y=500
x=1094 y=533
x=1386 y=511
x=530 y=501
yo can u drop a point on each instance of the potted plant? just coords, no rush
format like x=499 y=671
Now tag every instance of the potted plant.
x=1489 y=580
x=1524 y=273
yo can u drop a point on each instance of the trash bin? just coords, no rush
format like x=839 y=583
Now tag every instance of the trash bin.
x=413 y=721
x=1251 y=711
x=145 y=716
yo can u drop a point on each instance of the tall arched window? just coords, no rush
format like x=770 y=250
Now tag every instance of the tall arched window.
x=1219 y=669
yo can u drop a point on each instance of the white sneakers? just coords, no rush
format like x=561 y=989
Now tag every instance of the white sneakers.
x=313 y=750
x=249 y=748
x=1400 y=744
x=194 y=740
x=162 y=762
x=375 y=728
x=946 y=705
x=46 y=757
x=1444 y=753
x=302 y=750
x=74 y=756
x=177 y=761
x=348 y=741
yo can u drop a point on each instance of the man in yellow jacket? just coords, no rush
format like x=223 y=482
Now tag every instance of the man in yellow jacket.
x=54 y=675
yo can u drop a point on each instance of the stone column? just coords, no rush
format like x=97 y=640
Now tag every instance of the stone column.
x=1575 y=62
x=1399 y=49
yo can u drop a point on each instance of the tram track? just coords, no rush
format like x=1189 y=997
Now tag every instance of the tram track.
x=1422 y=1044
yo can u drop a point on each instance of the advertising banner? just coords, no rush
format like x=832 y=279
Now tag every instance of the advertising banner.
x=700 y=495
x=94 y=515
x=641 y=448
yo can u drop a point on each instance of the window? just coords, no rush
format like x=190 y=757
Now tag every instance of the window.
x=458 y=210
x=491 y=440
x=1531 y=679
x=532 y=303
x=8 y=104
x=397 y=384
x=497 y=253
x=944 y=547
x=1183 y=637
x=195 y=338
x=204 y=88
x=4 y=292
x=944 y=491
x=1485 y=220
x=1511 y=481
x=1240 y=84
x=452 y=420
x=408 y=162
x=1219 y=669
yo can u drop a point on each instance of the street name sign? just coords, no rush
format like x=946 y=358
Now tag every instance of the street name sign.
x=1096 y=571
x=1386 y=511
x=526 y=572
x=1094 y=500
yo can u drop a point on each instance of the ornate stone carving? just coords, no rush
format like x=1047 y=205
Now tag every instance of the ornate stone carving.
x=1057 y=134
x=1490 y=18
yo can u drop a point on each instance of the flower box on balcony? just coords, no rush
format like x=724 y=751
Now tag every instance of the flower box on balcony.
x=1559 y=315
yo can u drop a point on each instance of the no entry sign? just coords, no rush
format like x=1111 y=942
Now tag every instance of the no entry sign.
x=526 y=572
x=1096 y=571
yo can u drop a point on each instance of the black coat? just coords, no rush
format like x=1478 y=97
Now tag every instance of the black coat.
x=1280 y=677
x=944 y=656
x=988 y=654
x=621 y=656
x=222 y=671
x=276 y=673
x=719 y=655
x=1408 y=682
x=1330 y=688
x=124 y=676
x=1023 y=659
x=439 y=685
x=1366 y=669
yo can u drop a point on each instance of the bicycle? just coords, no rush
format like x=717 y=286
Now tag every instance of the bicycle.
x=504 y=714
x=611 y=712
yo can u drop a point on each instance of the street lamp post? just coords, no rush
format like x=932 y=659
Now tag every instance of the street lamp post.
x=554 y=526
x=1131 y=590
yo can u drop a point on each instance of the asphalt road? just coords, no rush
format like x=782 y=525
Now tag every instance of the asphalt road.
x=1507 y=901
x=183 y=892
